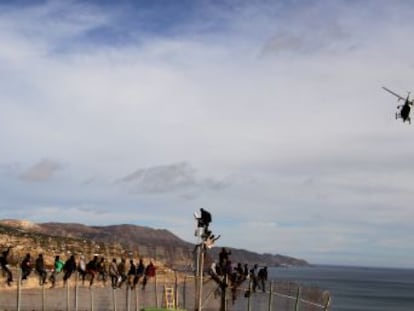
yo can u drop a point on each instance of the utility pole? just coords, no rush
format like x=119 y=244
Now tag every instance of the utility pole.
x=197 y=286
x=205 y=239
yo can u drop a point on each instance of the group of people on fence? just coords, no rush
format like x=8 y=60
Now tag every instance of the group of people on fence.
x=119 y=273
x=97 y=268
x=237 y=274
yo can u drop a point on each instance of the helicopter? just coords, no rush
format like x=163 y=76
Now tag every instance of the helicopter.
x=405 y=109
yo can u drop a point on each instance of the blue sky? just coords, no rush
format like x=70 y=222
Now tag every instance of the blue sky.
x=269 y=114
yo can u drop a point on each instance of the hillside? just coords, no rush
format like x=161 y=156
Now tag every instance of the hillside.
x=117 y=240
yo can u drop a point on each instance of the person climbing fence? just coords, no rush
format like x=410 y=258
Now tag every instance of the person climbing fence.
x=4 y=263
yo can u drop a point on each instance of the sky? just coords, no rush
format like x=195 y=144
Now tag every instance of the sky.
x=268 y=114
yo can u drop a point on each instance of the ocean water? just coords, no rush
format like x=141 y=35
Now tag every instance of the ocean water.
x=356 y=288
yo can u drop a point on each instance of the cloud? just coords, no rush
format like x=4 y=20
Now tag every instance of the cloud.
x=168 y=178
x=41 y=172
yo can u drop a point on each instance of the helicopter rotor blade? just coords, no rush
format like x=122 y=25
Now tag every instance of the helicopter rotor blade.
x=393 y=93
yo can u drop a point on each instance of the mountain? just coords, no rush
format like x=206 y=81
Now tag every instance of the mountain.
x=160 y=244
x=119 y=240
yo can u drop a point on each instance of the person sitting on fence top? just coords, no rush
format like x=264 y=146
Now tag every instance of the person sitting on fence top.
x=82 y=268
x=102 y=269
x=92 y=269
x=150 y=270
x=246 y=270
x=122 y=272
x=26 y=266
x=40 y=269
x=140 y=270
x=228 y=270
x=239 y=268
x=253 y=277
x=262 y=278
x=214 y=273
x=239 y=272
x=57 y=268
x=213 y=269
x=204 y=220
x=131 y=273
x=4 y=263
x=69 y=267
x=223 y=258
x=149 y=273
x=113 y=272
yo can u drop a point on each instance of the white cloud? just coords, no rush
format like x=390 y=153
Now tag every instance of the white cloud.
x=41 y=171
x=167 y=178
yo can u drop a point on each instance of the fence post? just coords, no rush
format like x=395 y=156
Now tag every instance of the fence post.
x=19 y=289
x=91 y=292
x=297 y=299
x=270 y=296
x=114 y=298
x=223 y=287
x=184 y=291
x=175 y=290
x=136 y=299
x=43 y=296
x=196 y=277
x=227 y=304
x=226 y=278
x=200 y=286
x=67 y=296
x=76 y=292
x=156 y=294
x=249 y=306
x=328 y=303
x=128 y=299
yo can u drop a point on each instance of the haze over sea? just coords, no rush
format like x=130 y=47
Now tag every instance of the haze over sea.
x=356 y=288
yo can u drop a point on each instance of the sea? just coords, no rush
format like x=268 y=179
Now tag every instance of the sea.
x=356 y=288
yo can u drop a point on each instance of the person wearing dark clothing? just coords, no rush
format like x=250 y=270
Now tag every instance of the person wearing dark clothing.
x=204 y=221
x=262 y=278
x=40 y=269
x=92 y=269
x=253 y=277
x=223 y=258
x=149 y=273
x=69 y=267
x=122 y=272
x=131 y=273
x=5 y=266
x=239 y=272
x=205 y=218
x=246 y=270
x=223 y=255
x=239 y=269
x=140 y=270
x=102 y=270
x=26 y=266
x=228 y=270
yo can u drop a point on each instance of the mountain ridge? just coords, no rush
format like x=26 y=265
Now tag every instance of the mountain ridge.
x=141 y=241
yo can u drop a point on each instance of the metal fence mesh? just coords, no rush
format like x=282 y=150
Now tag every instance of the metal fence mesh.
x=278 y=296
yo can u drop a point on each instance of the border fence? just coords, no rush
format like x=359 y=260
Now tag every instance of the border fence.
x=74 y=295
